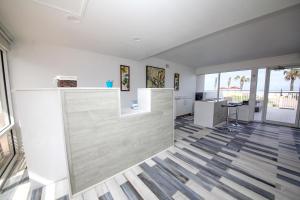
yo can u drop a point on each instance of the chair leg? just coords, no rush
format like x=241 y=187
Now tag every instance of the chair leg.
x=237 y=117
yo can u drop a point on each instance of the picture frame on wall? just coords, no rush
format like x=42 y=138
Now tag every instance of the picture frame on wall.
x=124 y=78
x=155 y=77
x=176 y=81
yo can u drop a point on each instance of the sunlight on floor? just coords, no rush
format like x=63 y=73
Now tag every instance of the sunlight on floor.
x=21 y=192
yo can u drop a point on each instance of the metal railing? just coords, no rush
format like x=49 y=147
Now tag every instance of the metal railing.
x=284 y=100
x=277 y=99
x=235 y=95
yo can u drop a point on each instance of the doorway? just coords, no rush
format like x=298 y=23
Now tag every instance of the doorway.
x=281 y=96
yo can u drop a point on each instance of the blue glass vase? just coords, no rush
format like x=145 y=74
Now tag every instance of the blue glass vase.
x=109 y=84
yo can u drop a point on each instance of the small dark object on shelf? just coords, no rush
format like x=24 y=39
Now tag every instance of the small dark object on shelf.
x=66 y=83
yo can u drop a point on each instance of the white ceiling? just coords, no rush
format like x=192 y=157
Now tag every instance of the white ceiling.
x=110 y=26
x=273 y=35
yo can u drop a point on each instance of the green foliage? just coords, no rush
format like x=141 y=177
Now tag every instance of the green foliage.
x=291 y=75
x=243 y=80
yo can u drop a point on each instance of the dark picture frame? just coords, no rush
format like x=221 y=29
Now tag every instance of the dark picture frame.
x=176 y=81
x=155 y=77
x=124 y=78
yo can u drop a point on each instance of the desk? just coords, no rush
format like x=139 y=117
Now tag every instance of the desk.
x=82 y=134
x=183 y=105
x=209 y=113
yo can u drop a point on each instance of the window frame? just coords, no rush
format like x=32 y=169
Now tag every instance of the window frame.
x=6 y=97
x=219 y=79
x=243 y=70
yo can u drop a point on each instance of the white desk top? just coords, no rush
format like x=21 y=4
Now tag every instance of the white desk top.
x=211 y=101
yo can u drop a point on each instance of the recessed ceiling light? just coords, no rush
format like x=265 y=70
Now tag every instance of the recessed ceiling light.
x=136 y=39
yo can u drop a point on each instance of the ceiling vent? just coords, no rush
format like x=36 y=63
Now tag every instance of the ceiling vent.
x=73 y=7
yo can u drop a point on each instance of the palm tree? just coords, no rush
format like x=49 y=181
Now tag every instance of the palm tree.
x=216 y=83
x=228 y=82
x=291 y=75
x=243 y=80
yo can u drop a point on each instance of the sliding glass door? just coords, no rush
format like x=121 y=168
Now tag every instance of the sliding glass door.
x=271 y=94
x=282 y=96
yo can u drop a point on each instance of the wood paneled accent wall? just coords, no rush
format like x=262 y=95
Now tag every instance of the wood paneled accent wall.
x=100 y=142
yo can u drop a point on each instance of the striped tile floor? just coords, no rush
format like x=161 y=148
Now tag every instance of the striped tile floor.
x=254 y=161
x=18 y=186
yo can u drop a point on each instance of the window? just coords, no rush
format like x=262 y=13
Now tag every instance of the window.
x=283 y=95
x=7 y=150
x=235 y=86
x=211 y=83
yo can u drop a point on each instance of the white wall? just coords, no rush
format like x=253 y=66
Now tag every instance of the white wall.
x=35 y=65
x=187 y=85
x=200 y=79
x=290 y=59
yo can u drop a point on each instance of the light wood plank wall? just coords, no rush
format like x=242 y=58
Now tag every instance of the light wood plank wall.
x=100 y=142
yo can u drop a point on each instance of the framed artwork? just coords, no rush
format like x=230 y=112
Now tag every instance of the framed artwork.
x=176 y=81
x=124 y=78
x=155 y=77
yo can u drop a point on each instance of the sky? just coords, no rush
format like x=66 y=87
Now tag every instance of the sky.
x=277 y=81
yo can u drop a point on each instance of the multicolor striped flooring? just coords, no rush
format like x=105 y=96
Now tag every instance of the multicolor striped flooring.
x=255 y=161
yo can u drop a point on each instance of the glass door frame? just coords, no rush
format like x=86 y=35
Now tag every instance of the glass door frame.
x=298 y=113
x=253 y=94
x=266 y=99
